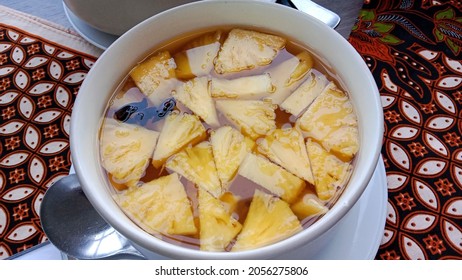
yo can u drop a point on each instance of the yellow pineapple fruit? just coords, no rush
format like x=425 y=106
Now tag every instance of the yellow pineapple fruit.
x=159 y=206
x=269 y=220
x=330 y=173
x=155 y=76
x=229 y=148
x=248 y=87
x=254 y=117
x=305 y=63
x=196 y=57
x=305 y=94
x=343 y=142
x=331 y=121
x=126 y=150
x=246 y=49
x=229 y=201
x=288 y=75
x=271 y=177
x=198 y=166
x=286 y=147
x=217 y=227
x=308 y=205
x=179 y=130
x=195 y=94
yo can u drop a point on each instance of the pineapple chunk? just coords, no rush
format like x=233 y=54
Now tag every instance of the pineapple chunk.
x=304 y=65
x=197 y=56
x=288 y=75
x=331 y=121
x=197 y=165
x=195 y=94
x=249 y=87
x=155 y=77
x=179 y=130
x=229 y=148
x=330 y=173
x=125 y=151
x=245 y=49
x=304 y=95
x=229 y=201
x=343 y=142
x=217 y=227
x=308 y=205
x=269 y=220
x=286 y=147
x=272 y=177
x=254 y=117
x=159 y=206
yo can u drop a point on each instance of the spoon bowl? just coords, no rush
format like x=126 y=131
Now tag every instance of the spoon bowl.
x=75 y=227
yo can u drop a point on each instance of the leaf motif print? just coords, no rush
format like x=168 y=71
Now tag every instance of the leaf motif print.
x=420 y=222
x=426 y=195
x=411 y=248
x=453 y=233
x=448 y=29
x=406 y=24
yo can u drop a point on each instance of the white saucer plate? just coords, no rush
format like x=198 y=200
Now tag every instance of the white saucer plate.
x=96 y=37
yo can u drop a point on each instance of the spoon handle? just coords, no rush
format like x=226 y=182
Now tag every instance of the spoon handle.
x=73 y=225
x=325 y=15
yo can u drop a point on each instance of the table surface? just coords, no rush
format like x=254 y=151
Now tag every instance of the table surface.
x=52 y=10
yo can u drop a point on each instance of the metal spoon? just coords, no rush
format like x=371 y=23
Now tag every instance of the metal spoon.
x=325 y=15
x=74 y=227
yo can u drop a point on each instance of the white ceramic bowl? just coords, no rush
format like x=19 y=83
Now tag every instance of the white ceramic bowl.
x=134 y=45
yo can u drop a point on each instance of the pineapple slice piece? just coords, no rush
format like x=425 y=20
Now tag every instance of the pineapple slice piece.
x=308 y=205
x=246 y=49
x=195 y=94
x=269 y=220
x=249 y=87
x=343 y=142
x=305 y=63
x=286 y=147
x=230 y=201
x=272 y=177
x=179 y=130
x=196 y=58
x=289 y=75
x=198 y=166
x=331 y=121
x=330 y=173
x=229 y=148
x=254 y=117
x=305 y=94
x=126 y=151
x=155 y=76
x=159 y=206
x=217 y=227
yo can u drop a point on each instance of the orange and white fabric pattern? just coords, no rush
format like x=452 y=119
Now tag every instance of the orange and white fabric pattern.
x=39 y=80
x=413 y=49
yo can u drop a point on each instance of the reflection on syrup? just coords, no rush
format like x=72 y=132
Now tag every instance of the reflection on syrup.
x=141 y=113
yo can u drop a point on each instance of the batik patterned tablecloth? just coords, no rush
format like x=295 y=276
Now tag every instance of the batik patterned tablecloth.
x=414 y=50
x=41 y=69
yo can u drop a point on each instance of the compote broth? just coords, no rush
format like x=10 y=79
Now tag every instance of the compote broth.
x=131 y=106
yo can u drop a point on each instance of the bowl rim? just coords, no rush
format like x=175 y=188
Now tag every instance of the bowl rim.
x=98 y=197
